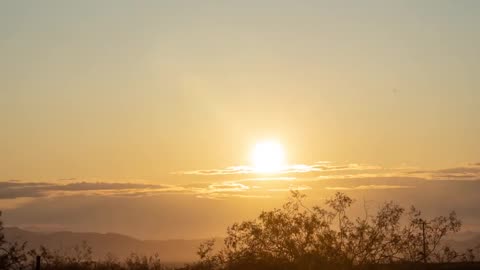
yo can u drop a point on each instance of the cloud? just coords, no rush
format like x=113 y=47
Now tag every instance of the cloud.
x=225 y=171
x=227 y=187
x=468 y=172
x=79 y=186
x=320 y=175
x=320 y=167
x=195 y=210
x=219 y=196
x=330 y=170
x=192 y=209
x=11 y=190
x=290 y=188
x=365 y=187
x=263 y=179
x=17 y=189
x=227 y=190
x=68 y=179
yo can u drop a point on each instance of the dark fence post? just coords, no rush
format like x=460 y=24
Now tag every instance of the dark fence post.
x=37 y=265
x=424 y=243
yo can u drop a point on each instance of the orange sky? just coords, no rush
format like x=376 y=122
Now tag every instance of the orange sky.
x=140 y=102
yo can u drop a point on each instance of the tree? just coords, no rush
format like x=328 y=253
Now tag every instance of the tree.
x=12 y=255
x=423 y=237
x=3 y=250
x=298 y=237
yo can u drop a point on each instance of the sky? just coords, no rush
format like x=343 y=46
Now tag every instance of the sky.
x=150 y=109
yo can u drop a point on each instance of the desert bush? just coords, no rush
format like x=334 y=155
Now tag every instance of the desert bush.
x=12 y=255
x=298 y=237
x=81 y=259
x=291 y=237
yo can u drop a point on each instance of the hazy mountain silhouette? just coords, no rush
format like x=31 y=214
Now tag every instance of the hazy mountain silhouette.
x=463 y=240
x=173 y=251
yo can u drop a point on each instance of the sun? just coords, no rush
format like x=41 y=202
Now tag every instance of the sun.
x=268 y=157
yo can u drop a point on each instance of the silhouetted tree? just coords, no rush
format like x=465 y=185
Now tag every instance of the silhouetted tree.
x=291 y=237
x=12 y=255
x=423 y=237
x=298 y=237
x=81 y=259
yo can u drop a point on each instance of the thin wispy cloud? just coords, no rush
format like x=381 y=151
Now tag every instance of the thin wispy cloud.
x=366 y=187
x=294 y=177
x=220 y=196
x=263 y=179
x=290 y=188
x=467 y=172
x=227 y=187
x=16 y=189
x=321 y=166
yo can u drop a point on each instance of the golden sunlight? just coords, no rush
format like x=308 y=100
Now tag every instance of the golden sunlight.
x=268 y=157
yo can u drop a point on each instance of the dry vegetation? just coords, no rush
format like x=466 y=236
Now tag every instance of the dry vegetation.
x=295 y=237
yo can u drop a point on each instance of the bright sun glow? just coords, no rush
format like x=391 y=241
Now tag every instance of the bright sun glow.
x=268 y=157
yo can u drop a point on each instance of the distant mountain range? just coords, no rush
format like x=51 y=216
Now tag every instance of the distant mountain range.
x=170 y=251
x=463 y=240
